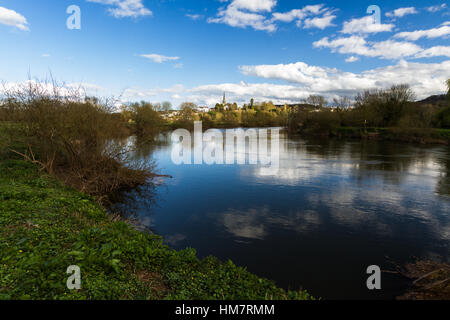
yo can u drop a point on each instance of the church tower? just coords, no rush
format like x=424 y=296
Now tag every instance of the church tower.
x=224 y=100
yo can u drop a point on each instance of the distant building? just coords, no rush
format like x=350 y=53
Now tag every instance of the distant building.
x=203 y=109
x=224 y=103
x=170 y=114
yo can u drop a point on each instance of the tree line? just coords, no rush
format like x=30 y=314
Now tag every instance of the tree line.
x=394 y=107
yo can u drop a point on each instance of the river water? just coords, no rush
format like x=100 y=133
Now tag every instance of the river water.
x=331 y=209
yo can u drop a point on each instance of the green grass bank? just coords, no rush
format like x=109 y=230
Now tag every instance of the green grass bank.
x=46 y=227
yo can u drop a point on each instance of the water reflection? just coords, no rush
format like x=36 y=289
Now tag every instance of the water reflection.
x=331 y=209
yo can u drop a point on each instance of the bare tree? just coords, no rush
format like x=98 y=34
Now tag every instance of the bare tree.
x=318 y=101
x=342 y=102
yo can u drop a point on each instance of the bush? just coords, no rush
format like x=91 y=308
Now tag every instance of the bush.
x=442 y=118
x=147 y=120
x=72 y=137
x=384 y=108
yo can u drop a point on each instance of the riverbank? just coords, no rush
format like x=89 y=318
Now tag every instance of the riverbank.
x=46 y=227
x=422 y=136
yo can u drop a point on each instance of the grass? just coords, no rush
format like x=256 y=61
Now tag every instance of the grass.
x=46 y=227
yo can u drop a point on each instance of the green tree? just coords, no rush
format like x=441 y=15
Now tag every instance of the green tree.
x=186 y=116
x=147 y=120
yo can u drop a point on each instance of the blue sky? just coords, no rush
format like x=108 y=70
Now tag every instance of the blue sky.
x=179 y=50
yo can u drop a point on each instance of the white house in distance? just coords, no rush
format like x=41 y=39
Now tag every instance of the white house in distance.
x=170 y=114
x=203 y=109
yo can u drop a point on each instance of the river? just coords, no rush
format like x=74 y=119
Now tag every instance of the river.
x=331 y=209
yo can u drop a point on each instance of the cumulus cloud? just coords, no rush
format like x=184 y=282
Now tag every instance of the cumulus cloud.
x=401 y=12
x=429 y=33
x=255 y=5
x=437 y=51
x=320 y=23
x=365 y=25
x=135 y=94
x=388 y=49
x=425 y=79
x=312 y=16
x=125 y=8
x=299 y=14
x=14 y=19
x=244 y=13
x=157 y=58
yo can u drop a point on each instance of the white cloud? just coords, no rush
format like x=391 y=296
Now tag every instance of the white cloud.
x=125 y=8
x=194 y=16
x=320 y=23
x=159 y=58
x=14 y=19
x=437 y=51
x=352 y=59
x=401 y=12
x=136 y=94
x=436 y=8
x=234 y=16
x=242 y=93
x=299 y=72
x=255 y=5
x=298 y=14
x=430 y=33
x=312 y=16
x=388 y=49
x=365 y=25
x=425 y=79
x=251 y=13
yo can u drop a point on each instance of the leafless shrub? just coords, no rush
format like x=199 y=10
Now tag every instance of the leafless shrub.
x=72 y=136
